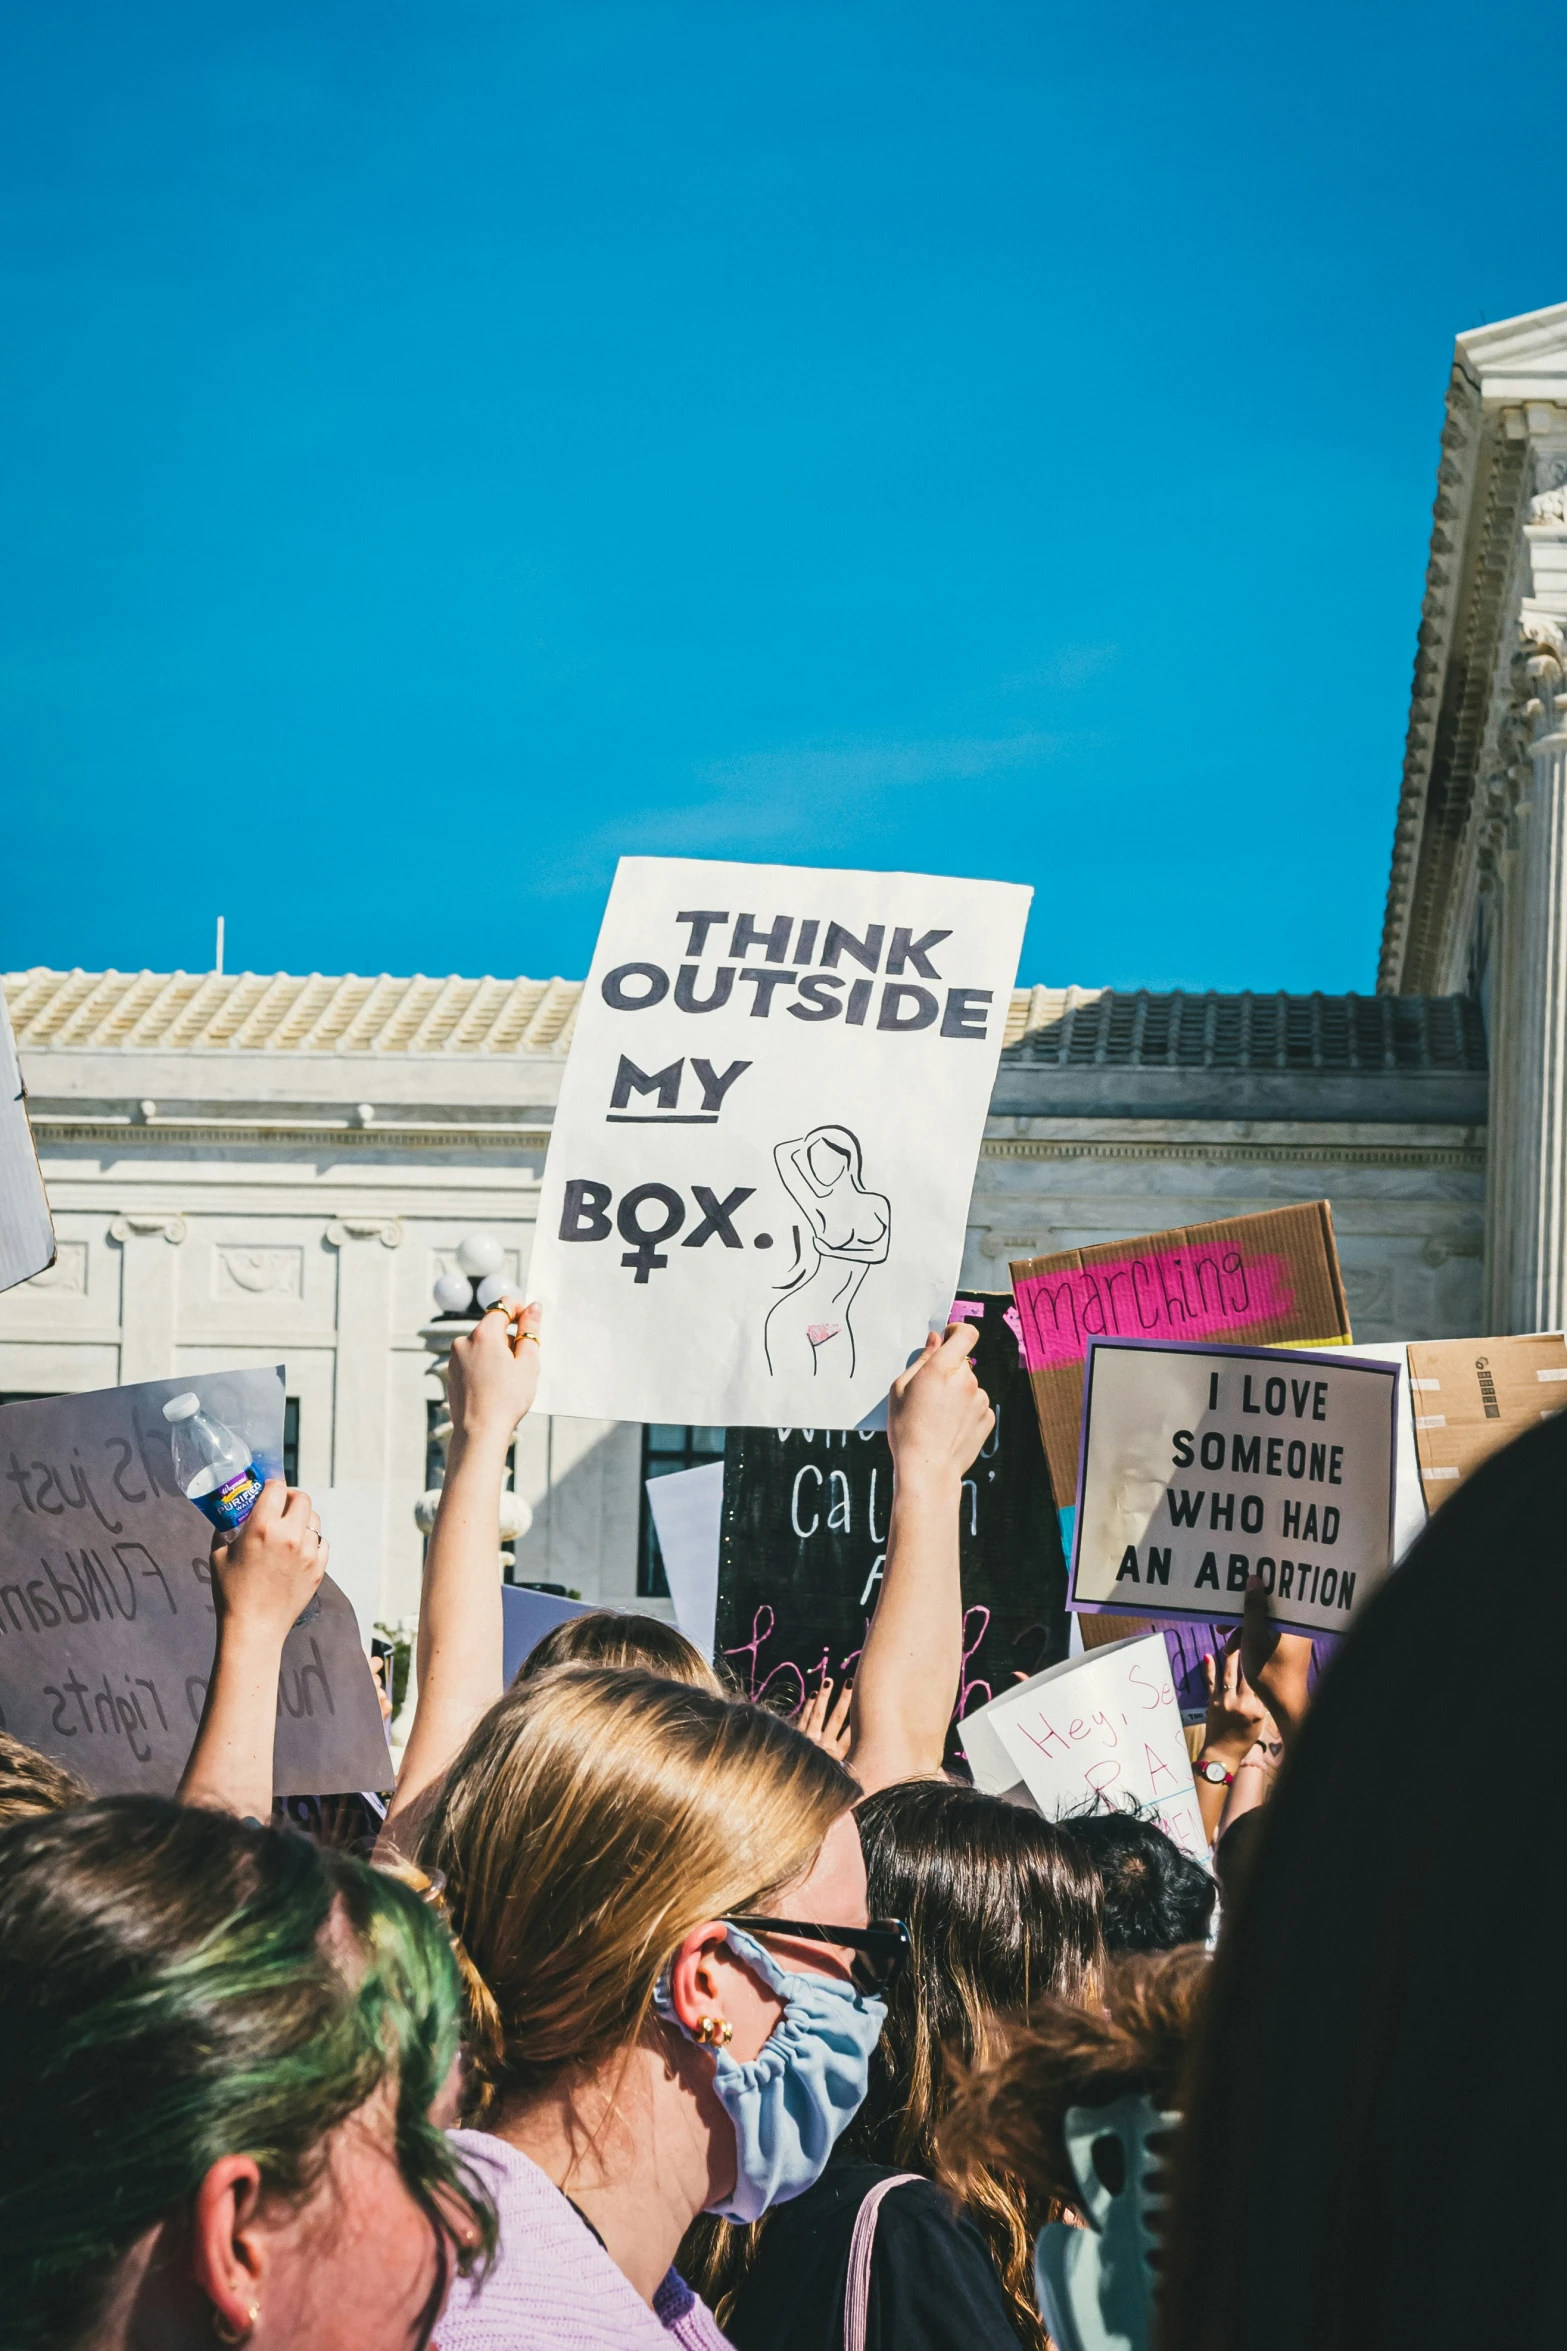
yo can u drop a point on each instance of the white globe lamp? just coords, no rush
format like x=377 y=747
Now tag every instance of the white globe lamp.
x=479 y=1254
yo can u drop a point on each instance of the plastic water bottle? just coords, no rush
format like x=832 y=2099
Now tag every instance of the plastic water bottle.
x=213 y=1466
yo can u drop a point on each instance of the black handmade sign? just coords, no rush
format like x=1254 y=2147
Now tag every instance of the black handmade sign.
x=804 y=1542
x=106 y=1614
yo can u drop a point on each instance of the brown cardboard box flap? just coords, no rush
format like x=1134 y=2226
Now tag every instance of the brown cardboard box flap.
x=1271 y=1279
x=1473 y=1396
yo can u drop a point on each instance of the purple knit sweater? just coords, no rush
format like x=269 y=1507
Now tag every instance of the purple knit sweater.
x=552 y=2286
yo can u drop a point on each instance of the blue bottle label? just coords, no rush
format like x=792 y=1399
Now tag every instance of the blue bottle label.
x=229 y=1505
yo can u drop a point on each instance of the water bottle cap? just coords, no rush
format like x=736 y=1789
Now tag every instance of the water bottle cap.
x=181 y=1407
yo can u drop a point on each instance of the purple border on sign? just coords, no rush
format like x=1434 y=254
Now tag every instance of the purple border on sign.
x=1206 y=1615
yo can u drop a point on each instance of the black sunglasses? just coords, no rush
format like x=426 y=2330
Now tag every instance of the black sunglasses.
x=881 y=1949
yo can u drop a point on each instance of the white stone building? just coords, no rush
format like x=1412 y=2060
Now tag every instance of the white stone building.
x=253 y=1168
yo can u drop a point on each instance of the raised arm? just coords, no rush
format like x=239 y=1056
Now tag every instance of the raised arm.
x=261 y=1578
x=937 y=1419
x=1236 y=1716
x=1278 y=1664
x=490 y=1385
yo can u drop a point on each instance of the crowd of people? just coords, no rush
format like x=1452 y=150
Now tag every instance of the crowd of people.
x=654 y=2016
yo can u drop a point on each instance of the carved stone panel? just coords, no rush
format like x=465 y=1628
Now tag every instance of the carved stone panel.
x=241 y=1272
x=68 y=1272
x=1369 y=1291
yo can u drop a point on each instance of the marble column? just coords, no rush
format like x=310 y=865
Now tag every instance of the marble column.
x=361 y=1398
x=1529 y=1144
x=149 y=1242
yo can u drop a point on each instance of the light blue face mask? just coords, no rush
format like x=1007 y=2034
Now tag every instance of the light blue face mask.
x=805 y=2086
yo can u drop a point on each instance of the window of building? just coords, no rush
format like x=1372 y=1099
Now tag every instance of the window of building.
x=666 y=1448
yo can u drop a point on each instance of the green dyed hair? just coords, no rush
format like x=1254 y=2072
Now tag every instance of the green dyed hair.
x=170 y=1994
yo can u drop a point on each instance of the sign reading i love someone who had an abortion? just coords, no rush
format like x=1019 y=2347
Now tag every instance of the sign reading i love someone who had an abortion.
x=1203 y=1466
x=760 y=1169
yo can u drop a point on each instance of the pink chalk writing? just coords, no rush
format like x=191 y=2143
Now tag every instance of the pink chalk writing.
x=968 y=1690
x=1195 y=1293
x=758 y=1685
x=1014 y=1323
x=967 y=1310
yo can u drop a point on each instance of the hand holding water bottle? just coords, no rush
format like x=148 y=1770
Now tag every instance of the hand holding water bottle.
x=267 y=1572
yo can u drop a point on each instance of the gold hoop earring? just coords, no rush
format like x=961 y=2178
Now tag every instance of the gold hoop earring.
x=714 y=2031
x=227 y=2332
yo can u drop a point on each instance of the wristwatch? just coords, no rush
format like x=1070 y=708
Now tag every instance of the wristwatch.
x=1214 y=1773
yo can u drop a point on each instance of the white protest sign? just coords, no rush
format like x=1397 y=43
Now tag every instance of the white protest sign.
x=688 y=1512
x=1204 y=1465
x=1102 y=1727
x=26 y=1231
x=759 y=1175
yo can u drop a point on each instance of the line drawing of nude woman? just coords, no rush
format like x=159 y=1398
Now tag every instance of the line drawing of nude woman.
x=844 y=1231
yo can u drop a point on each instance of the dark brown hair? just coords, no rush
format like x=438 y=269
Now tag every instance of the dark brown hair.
x=1009 y=2113
x=1384 y=2031
x=1002 y=1910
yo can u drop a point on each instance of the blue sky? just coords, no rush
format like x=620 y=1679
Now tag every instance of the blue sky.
x=447 y=445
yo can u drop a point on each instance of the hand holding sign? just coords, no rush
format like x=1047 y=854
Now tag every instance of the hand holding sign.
x=492 y=1378
x=938 y=1415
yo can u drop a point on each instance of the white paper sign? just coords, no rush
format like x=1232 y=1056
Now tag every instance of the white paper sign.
x=759 y=1175
x=688 y=1511
x=26 y=1232
x=1204 y=1465
x=1105 y=1726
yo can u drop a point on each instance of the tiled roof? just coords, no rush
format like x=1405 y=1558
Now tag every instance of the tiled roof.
x=1079 y=1028
x=239 y=1012
x=212 y=1012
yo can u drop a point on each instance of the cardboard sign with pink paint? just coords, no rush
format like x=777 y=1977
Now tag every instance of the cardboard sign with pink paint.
x=1104 y=1728
x=1262 y=1280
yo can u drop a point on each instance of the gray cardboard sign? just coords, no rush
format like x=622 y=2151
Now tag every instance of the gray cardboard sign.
x=106 y=1614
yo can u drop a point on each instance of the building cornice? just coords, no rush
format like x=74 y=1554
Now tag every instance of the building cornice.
x=1491 y=584
x=1467 y=1157
x=61 y=1128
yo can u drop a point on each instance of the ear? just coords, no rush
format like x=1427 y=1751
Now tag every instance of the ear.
x=698 y=1977
x=227 y=2258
